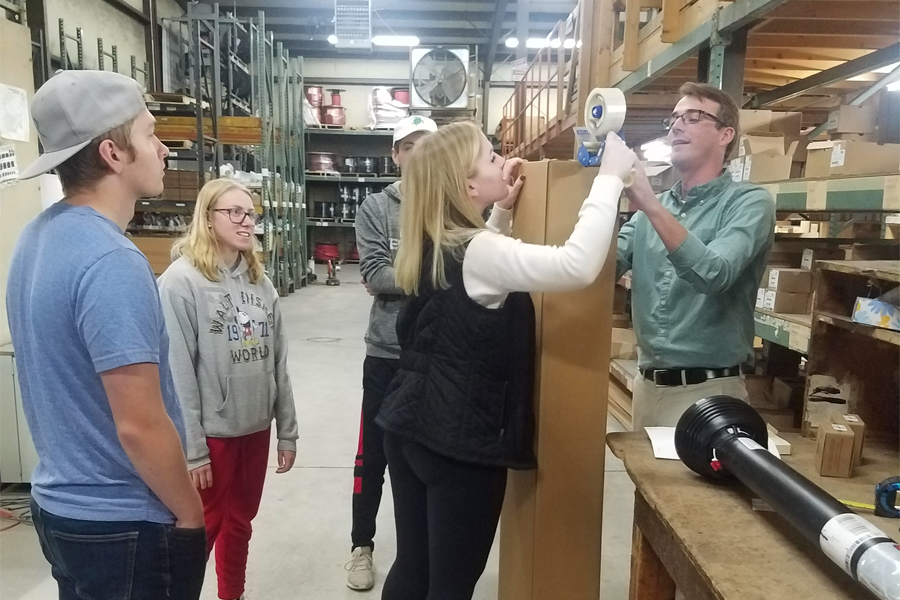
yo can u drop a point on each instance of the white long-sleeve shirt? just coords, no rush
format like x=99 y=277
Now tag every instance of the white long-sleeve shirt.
x=495 y=264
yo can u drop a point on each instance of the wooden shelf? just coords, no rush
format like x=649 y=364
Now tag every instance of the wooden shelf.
x=879 y=333
x=845 y=194
x=366 y=132
x=625 y=371
x=351 y=179
x=790 y=331
x=881 y=269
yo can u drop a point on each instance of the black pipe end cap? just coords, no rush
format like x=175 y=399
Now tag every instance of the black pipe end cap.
x=704 y=424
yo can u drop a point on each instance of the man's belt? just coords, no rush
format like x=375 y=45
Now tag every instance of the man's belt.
x=676 y=377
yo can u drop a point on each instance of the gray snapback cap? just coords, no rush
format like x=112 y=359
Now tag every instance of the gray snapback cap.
x=74 y=107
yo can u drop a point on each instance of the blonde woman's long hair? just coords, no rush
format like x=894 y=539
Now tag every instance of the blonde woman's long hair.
x=436 y=206
x=200 y=245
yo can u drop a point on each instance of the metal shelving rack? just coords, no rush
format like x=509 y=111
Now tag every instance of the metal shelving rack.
x=278 y=84
x=233 y=68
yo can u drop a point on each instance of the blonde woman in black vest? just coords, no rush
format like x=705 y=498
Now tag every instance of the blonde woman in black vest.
x=459 y=412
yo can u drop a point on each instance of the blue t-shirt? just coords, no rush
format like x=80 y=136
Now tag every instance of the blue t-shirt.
x=82 y=300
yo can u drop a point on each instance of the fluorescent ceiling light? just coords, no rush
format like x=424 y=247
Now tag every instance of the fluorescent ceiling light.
x=887 y=68
x=512 y=42
x=537 y=43
x=332 y=39
x=395 y=40
x=657 y=151
x=555 y=43
x=894 y=87
x=569 y=44
x=578 y=45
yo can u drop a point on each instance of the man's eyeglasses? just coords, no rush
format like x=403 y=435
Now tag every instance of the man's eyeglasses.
x=689 y=117
x=237 y=215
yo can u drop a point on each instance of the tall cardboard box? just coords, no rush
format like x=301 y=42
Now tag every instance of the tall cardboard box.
x=790 y=280
x=550 y=530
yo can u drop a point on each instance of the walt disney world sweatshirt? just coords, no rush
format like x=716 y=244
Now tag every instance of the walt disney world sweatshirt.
x=228 y=352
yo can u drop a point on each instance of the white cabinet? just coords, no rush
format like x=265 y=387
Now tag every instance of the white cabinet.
x=18 y=458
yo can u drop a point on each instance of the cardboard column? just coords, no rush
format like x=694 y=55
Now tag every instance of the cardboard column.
x=550 y=529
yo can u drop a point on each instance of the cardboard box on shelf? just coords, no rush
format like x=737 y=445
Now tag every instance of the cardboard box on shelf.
x=871 y=311
x=787 y=392
x=834 y=450
x=789 y=303
x=764 y=157
x=753 y=121
x=624 y=344
x=859 y=433
x=856 y=137
x=788 y=123
x=790 y=280
x=844 y=157
x=761 y=298
x=811 y=255
x=852 y=119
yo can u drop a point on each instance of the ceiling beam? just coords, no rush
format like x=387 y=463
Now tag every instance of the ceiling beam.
x=799 y=42
x=851 y=68
x=834 y=28
x=807 y=10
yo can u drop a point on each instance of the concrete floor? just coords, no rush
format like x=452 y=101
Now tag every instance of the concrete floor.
x=301 y=537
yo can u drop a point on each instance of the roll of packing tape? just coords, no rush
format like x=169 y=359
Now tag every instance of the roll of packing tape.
x=604 y=111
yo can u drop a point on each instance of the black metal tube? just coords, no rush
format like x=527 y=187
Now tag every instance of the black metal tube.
x=721 y=436
x=805 y=505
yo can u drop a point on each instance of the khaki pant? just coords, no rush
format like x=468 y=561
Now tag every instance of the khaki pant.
x=662 y=406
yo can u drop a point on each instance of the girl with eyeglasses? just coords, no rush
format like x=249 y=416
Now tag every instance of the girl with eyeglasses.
x=229 y=362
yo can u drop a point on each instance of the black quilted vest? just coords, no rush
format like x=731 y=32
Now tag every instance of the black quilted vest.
x=466 y=379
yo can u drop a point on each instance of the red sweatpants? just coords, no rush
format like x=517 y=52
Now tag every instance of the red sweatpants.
x=239 y=471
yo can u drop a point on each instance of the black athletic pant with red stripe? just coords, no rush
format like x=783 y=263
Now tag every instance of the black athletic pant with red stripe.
x=368 y=474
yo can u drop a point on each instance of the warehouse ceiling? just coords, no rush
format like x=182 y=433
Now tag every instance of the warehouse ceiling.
x=303 y=26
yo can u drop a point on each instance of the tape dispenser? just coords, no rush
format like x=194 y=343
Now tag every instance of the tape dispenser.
x=604 y=111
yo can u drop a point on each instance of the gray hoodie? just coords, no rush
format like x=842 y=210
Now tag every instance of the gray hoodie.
x=228 y=352
x=378 y=239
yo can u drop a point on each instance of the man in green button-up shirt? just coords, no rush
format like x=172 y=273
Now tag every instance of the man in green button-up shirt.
x=697 y=253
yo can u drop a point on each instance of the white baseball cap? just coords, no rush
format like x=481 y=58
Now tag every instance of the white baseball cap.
x=412 y=124
x=74 y=107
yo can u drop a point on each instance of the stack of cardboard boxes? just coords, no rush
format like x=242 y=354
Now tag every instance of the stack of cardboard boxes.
x=770 y=148
x=180 y=186
x=785 y=290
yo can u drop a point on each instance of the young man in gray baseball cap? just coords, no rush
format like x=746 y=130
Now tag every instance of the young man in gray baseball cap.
x=112 y=501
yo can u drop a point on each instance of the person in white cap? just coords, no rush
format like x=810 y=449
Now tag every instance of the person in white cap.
x=377 y=239
x=113 y=504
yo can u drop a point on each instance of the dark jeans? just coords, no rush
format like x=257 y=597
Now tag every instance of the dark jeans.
x=113 y=560
x=447 y=513
x=368 y=474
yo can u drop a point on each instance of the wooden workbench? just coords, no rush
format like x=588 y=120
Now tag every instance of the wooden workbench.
x=704 y=536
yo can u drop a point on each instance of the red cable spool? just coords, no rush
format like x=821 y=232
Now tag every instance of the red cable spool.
x=333 y=115
x=400 y=95
x=324 y=252
x=335 y=97
x=314 y=95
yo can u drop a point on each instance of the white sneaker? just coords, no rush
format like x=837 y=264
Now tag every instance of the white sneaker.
x=361 y=570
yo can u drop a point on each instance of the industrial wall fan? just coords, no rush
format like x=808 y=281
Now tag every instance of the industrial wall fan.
x=439 y=78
